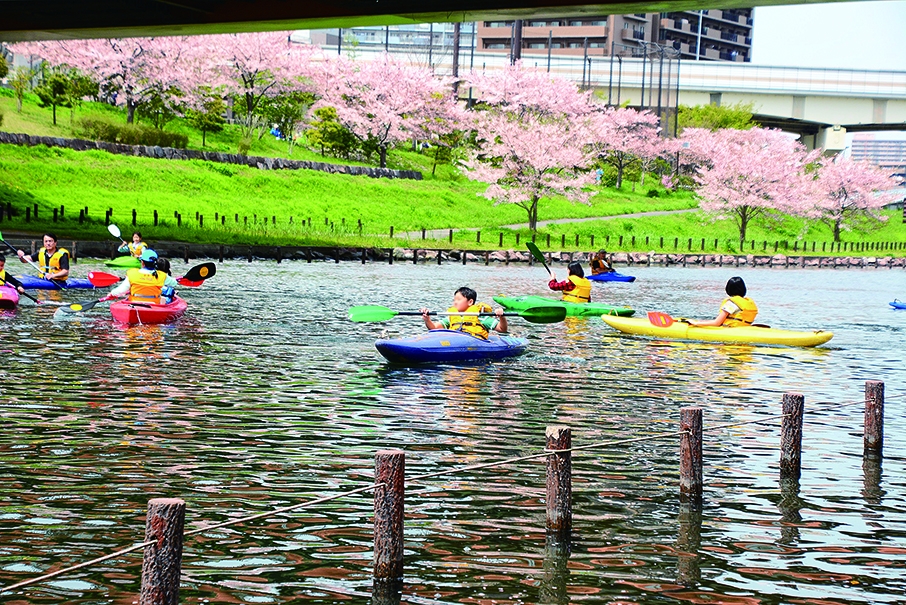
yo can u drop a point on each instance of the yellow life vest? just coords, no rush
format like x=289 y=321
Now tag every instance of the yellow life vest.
x=3 y=277
x=52 y=264
x=145 y=287
x=746 y=314
x=581 y=293
x=470 y=323
x=137 y=249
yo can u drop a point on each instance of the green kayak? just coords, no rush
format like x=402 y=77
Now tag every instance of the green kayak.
x=592 y=309
x=125 y=262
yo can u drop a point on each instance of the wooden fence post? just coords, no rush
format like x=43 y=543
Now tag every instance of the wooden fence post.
x=559 y=481
x=220 y=256
x=389 y=495
x=873 y=439
x=163 y=558
x=791 y=436
x=690 y=453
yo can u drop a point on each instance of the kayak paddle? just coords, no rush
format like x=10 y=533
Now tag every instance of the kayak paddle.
x=16 y=252
x=78 y=307
x=115 y=232
x=25 y=294
x=538 y=256
x=195 y=276
x=535 y=315
x=662 y=320
x=101 y=279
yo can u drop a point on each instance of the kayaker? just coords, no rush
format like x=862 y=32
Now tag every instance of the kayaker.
x=136 y=247
x=599 y=263
x=736 y=310
x=6 y=279
x=576 y=288
x=166 y=293
x=54 y=261
x=145 y=284
x=464 y=302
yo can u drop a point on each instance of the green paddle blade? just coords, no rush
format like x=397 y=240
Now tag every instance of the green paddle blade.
x=536 y=252
x=365 y=313
x=543 y=315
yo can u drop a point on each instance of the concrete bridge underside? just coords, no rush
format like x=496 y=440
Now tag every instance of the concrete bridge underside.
x=49 y=19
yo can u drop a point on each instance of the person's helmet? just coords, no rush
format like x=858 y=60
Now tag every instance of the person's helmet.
x=148 y=256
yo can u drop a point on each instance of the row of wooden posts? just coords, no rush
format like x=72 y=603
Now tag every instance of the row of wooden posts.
x=689 y=244
x=161 y=566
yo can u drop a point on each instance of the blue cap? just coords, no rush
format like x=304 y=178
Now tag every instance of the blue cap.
x=148 y=255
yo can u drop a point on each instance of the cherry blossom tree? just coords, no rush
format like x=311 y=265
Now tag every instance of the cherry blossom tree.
x=751 y=173
x=625 y=136
x=130 y=69
x=534 y=133
x=385 y=101
x=851 y=194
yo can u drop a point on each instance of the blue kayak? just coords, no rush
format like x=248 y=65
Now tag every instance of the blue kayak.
x=897 y=304
x=29 y=282
x=449 y=346
x=612 y=276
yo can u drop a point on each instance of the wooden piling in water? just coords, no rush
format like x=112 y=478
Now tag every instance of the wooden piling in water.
x=559 y=481
x=220 y=256
x=389 y=480
x=364 y=255
x=163 y=557
x=791 y=436
x=873 y=439
x=690 y=453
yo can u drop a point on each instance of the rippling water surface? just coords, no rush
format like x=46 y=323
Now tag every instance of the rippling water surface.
x=264 y=395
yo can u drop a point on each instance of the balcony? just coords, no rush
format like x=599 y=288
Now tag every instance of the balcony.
x=633 y=34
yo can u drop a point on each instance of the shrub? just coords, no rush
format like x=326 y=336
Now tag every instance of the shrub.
x=653 y=193
x=99 y=129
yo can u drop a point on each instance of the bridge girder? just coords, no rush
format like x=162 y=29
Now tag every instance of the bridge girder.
x=54 y=19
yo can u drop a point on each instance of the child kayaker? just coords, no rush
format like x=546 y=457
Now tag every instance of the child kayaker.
x=145 y=284
x=736 y=310
x=464 y=302
x=9 y=280
x=576 y=288
x=166 y=293
x=599 y=263
x=136 y=247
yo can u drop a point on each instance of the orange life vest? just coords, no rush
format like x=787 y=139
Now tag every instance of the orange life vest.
x=145 y=287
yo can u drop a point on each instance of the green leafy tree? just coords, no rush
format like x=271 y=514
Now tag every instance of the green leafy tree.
x=715 y=117
x=53 y=92
x=332 y=137
x=21 y=83
x=78 y=88
x=160 y=106
x=208 y=115
x=287 y=112
x=4 y=68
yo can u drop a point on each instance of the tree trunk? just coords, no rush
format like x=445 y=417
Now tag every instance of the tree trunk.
x=54 y=108
x=620 y=175
x=743 y=223
x=130 y=112
x=203 y=133
x=383 y=151
x=18 y=104
x=837 y=230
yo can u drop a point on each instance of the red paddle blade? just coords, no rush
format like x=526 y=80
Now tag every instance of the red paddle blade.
x=661 y=320
x=100 y=279
x=188 y=283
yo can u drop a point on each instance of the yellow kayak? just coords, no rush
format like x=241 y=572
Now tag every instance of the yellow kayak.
x=680 y=330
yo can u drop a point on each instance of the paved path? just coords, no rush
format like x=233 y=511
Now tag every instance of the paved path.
x=442 y=233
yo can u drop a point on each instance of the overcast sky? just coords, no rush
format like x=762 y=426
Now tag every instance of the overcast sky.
x=855 y=35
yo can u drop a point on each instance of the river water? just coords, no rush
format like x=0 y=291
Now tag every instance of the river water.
x=264 y=396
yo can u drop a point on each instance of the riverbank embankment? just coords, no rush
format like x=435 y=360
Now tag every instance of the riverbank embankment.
x=178 y=250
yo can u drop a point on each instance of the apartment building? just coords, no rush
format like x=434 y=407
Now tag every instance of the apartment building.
x=880 y=149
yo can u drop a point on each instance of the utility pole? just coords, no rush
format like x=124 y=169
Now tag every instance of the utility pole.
x=456 y=57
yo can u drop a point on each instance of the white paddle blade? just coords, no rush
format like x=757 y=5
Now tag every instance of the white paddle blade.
x=114 y=230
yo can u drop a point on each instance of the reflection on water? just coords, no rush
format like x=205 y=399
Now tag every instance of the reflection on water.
x=263 y=395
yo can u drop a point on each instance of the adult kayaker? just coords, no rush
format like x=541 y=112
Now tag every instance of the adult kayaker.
x=6 y=279
x=464 y=302
x=736 y=310
x=144 y=284
x=576 y=288
x=599 y=263
x=135 y=247
x=54 y=261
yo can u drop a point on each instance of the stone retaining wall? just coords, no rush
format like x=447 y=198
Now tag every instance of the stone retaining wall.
x=171 y=153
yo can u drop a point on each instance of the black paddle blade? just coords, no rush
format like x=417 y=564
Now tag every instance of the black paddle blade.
x=79 y=307
x=200 y=272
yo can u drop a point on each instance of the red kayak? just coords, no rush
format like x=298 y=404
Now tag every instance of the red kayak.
x=9 y=298
x=147 y=313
